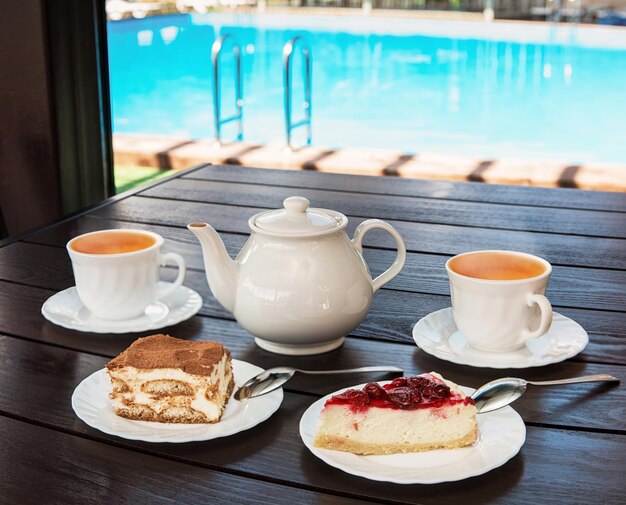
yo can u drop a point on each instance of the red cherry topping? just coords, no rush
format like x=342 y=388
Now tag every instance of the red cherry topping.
x=375 y=391
x=420 y=391
x=400 y=396
x=354 y=397
x=427 y=391
x=400 y=382
x=416 y=397
x=418 y=382
x=441 y=391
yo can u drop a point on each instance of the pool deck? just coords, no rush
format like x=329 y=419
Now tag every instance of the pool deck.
x=175 y=153
x=358 y=11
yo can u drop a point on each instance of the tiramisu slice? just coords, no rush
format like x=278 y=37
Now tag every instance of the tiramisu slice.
x=168 y=380
x=410 y=414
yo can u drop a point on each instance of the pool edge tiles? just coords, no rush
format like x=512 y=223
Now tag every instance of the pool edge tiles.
x=149 y=150
x=592 y=36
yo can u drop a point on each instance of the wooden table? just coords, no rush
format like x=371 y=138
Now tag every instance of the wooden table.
x=575 y=447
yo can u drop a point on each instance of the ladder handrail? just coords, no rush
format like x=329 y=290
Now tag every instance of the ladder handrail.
x=216 y=50
x=288 y=52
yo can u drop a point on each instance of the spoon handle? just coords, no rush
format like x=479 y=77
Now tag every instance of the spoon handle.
x=574 y=380
x=354 y=370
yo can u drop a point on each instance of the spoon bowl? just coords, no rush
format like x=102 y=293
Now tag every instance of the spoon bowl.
x=265 y=382
x=498 y=393
x=501 y=392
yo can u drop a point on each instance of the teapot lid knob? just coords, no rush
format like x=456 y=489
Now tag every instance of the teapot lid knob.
x=297 y=204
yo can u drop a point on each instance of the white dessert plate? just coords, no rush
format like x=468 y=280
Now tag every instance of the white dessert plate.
x=65 y=309
x=91 y=403
x=501 y=434
x=437 y=334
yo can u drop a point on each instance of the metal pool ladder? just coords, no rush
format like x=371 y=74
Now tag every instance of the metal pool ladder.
x=288 y=52
x=218 y=45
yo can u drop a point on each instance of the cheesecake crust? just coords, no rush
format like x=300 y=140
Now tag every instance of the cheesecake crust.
x=364 y=449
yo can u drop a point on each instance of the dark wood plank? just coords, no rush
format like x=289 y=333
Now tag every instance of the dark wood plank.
x=592 y=469
x=75 y=470
x=463 y=191
x=419 y=237
x=575 y=287
x=566 y=406
x=401 y=208
x=273 y=450
x=27 y=301
x=391 y=317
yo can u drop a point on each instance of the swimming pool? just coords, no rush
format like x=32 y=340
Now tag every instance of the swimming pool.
x=493 y=90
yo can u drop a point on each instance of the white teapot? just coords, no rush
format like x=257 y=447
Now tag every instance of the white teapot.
x=299 y=284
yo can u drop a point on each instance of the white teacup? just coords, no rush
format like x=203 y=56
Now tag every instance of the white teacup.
x=117 y=271
x=498 y=298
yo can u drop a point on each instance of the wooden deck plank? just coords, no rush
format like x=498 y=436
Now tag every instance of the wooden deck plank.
x=418 y=237
x=574 y=287
x=563 y=198
x=575 y=433
x=422 y=210
x=77 y=470
x=604 y=347
x=273 y=450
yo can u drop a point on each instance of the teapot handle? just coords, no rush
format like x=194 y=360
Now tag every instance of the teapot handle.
x=397 y=265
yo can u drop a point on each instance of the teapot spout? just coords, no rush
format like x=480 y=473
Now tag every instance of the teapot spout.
x=221 y=270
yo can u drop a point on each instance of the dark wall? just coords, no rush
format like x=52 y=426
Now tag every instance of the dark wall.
x=29 y=175
x=55 y=123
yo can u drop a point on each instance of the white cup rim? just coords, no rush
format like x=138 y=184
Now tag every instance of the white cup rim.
x=500 y=282
x=158 y=242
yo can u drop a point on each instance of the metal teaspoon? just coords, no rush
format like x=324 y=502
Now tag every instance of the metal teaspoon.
x=273 y=378
x=501 y=392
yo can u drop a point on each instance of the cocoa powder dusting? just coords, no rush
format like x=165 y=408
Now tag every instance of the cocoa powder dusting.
x=163 y=351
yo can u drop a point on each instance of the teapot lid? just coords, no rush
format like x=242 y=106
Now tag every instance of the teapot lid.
x=297 y=219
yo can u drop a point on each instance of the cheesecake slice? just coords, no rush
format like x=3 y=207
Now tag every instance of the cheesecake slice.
x=169 y=380
x=410 y=414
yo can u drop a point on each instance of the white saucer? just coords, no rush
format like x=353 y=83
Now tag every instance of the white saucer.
x=91 y=403
x=501 y=434
x=438 y=335
x=65 y=309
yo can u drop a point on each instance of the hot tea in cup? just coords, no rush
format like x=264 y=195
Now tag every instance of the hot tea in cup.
x=117 y=271
x=112 y=242
x=498 y=298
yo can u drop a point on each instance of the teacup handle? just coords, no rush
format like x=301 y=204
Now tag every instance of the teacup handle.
x=182 y=269
x=546 y=316
x=397 y=265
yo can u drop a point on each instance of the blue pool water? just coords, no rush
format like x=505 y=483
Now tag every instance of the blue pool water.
x=507 y=90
